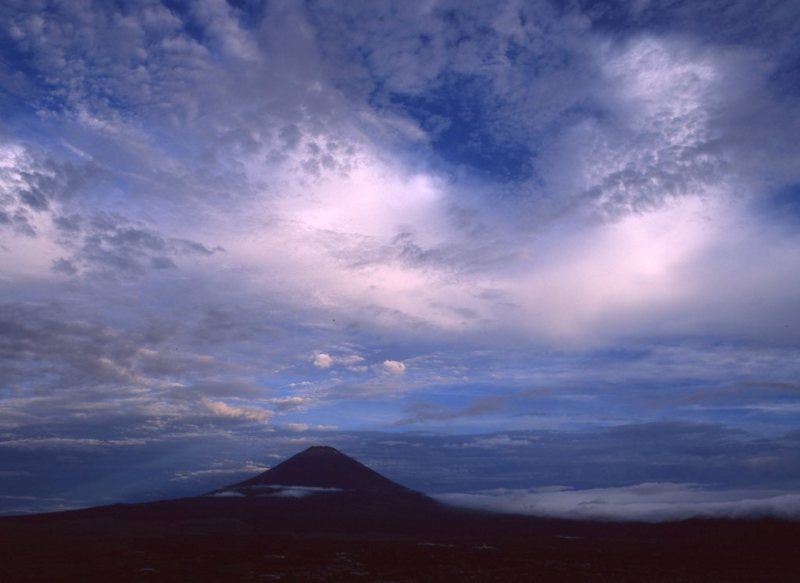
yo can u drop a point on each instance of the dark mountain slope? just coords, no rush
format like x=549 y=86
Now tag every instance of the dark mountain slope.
x=323 y=467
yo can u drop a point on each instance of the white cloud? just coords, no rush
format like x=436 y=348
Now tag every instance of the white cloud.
x=300 y=491
x=222 y=409
x=291 y=402
x=322 y=360
x=248 y=467
x=220 y=21
x=614 y=276
x=25 y=207
x=394 y=367
x=226 y=494
x=496 y=441
x=651 y=502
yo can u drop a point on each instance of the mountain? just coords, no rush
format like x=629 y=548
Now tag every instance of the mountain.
x=323 y=516
x=317 y=490
x=317 y=469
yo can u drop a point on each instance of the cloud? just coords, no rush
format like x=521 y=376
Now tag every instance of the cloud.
x=90 y=368
x=37 y=190
x=561 y=219
x=421 y=412
x=291 y=403
x=65 y=443
x=24 y=190
x=322 y=360
x=249 y=467
x=350 y=360
x=393 y=246
x=78 y=352
x=497 y=441
x=657 y=144
x=245 y=413
x=394 y=367
x=207 y=451
x=300 y=491
x=109 y=245
x=650 y=502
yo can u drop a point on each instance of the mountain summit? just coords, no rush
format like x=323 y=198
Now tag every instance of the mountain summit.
x=319 y=468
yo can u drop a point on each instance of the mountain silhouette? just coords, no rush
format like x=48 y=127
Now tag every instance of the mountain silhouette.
x=319 y=468
x=323 y=516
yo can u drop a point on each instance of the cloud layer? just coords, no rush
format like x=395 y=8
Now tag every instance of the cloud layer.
x=221 y=218
x=648 y=502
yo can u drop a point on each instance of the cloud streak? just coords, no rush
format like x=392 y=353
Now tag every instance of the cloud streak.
x=647 y=502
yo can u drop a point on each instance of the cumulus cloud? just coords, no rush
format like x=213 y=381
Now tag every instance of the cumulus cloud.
x=322 y=360
x=394 y=367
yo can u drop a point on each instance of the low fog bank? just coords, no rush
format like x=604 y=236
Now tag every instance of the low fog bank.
x=647 y=502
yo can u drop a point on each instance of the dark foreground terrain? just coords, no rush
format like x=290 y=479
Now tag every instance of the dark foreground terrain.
x=732 y=552
x=351 y=524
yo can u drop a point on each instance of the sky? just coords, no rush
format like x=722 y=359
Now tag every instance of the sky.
x=534 y=256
